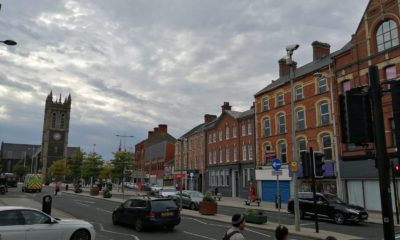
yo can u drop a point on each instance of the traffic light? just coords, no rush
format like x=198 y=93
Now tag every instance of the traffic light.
x=318 y=164
x=306 y=163
x=396 y=167
x=355 y=117
x=395 y=92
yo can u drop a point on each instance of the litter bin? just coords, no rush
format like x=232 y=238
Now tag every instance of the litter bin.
x=46 y=204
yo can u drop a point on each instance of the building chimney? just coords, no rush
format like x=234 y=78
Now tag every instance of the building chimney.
x=284 y=68
x=208 y=118
x=320 y=50
x=253 y=106
x=226 y=106
x=162 y=128
x=150 y=134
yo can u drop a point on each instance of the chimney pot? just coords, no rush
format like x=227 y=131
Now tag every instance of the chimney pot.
x=320 y=50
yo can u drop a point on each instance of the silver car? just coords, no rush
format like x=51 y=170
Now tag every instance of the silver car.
x=22 y=223
x=190 y=199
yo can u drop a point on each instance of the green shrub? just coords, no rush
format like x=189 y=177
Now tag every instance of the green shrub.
x=208 y=197
x=107 y=193
x=253 y=212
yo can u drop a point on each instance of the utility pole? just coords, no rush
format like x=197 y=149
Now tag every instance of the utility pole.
x=381 y=157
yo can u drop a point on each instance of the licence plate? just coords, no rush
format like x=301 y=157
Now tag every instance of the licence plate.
x=167 y=214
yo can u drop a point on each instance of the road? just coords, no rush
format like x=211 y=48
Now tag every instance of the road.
x=98 y=212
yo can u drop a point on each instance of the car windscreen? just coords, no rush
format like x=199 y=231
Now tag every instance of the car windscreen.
x=196 y=194
x=169 y=190
x=162 y=205
x=334 y=199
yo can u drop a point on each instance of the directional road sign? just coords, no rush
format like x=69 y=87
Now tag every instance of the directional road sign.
x=276 y=164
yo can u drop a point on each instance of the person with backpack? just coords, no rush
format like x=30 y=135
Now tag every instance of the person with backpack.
x=281 y=233
x=235 y=232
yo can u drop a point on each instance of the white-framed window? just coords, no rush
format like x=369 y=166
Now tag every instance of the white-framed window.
x=279 y=100
x=220 y=135
x=249 y=128
x=282 y=151
x=227 y=153
x=243 y=129
x=301 y=120
x=266 y=104
x=214 y=137
x=250 y=147
x=220 y=154
x=281 y=123
x=324 y=113
x=322 y=85
x=301 y=146
x=215 y=156
x=227 y=132
x=326 y=146
x=267 y=149
x=209 y=157
x=244 y=152
x=227 y=175
x=387 y=35
x=234 y=132
x=210 y=138
x=299 y=93
x=267 y=127
x=235 y=153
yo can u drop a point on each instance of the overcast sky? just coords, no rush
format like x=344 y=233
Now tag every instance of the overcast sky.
x=131 y=65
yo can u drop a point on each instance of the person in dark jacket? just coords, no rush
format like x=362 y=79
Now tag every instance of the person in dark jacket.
x=281 y=233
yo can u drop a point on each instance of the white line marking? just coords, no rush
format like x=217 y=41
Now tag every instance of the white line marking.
x=103 y=230
x=197 y=235
x=199 y=221
x=103 y=210
x=257 y=232
x=305 y=224
x=83 y=204
x=84 y=201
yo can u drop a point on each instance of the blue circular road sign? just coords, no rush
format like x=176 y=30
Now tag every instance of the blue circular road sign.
x=276 y=164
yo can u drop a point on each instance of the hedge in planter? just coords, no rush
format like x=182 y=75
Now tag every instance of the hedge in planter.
x=255 y=216
x=208 y=206
x=107 y=193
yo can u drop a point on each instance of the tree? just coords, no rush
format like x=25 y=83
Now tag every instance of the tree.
x=75 y=164
x=91 y=166
x=106 y=171
x=20 y=170
x=59 y=169
x=122 y=161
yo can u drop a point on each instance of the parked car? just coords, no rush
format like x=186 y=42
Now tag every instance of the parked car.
x=330 y=206
x=190 y=199
x=32 y=183
x=16 y=221
x=11 y=179
x=147 y=212
x=167 y=192
x=155 y=187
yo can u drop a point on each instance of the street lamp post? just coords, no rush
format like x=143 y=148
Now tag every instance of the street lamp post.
x=123 y=173
x=289 y=50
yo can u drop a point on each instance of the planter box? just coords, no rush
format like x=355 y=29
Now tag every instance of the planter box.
x=259 y=219
x=94 y=191
x=208 y=208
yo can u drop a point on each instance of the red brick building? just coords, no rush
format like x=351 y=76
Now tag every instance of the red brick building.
x=230 y=152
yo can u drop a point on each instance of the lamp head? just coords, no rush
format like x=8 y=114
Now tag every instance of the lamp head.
x=291 y=48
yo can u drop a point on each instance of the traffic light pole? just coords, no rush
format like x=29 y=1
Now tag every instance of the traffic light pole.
x=314 y=189
x=381 y=154
x=395 y=191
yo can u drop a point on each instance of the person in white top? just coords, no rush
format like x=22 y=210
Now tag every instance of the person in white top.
x=235 y=232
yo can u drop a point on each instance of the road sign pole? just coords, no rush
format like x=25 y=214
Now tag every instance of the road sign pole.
x=314 y=189
x=278 y=199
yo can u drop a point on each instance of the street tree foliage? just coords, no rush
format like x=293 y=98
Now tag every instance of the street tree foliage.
x=20 y=170
x=75 y=164
x=106 y=171
x=91 y=166
x=122 y=161
x=58 y=170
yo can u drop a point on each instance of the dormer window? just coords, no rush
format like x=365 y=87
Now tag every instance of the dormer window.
x=387 y=35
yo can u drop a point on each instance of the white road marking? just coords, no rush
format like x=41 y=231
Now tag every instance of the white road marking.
x=197 y=235
x=199 y=221
x=103 y=210
x=249 y=230
x=84 y=201
x=103 y=230
x=306 y=224
x=87 y=205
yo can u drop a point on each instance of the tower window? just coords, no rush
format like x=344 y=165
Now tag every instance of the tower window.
x=53 y=120
x=62 y=121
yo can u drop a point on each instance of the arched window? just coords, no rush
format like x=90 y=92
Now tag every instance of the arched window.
x=299 y=92
x=62 y=121
x=324 y=113
x=322 y=85
x=244 y=152
x=301 y=120
x=220 y=154
x=227 y=132
x=280 y=119
x=301 y=146
x=250 y=147
x=387 y=35
x=279 y=100
x=326 y=146
x=53 y=120
x=235 y=153
x=266 y=104
x=282 y=151
x=227 y=154
x=267 y=127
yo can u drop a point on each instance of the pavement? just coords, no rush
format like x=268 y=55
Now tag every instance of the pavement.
x=225 y=201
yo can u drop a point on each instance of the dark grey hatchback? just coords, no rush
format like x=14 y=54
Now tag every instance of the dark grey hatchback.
x=147 y=212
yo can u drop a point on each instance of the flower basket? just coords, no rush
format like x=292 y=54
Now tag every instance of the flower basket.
x=255 y=216
x=208 y=206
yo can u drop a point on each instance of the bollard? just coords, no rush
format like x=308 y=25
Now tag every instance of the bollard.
x=46 y=204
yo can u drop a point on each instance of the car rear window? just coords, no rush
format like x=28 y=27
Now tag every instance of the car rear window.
x=161 y=205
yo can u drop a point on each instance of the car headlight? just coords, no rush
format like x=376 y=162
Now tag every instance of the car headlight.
x=352 y=211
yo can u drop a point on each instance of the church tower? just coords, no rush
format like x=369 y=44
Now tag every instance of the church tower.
x=55 y=131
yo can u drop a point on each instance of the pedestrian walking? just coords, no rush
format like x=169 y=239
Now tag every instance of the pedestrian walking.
x=235 y=232
x=57 y=189
x=281 y=233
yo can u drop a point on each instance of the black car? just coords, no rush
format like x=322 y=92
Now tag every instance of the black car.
x=147 y=212
x=330 y=206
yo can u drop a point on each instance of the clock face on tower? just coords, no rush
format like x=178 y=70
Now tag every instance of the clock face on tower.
x=56 y=136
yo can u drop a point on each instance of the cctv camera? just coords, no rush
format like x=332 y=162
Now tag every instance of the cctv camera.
x=292 y=47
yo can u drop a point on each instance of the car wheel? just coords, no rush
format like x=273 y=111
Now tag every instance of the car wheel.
x=302 y=214
x=81 y=235
x=114 y=219
x=339 y=218
x=192 y=206
x=139 y=225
